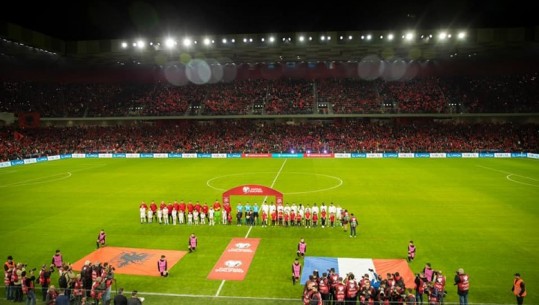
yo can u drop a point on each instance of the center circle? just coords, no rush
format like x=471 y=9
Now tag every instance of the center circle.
x=333 y=182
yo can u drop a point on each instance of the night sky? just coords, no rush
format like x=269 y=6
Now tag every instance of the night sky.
x=91 y=19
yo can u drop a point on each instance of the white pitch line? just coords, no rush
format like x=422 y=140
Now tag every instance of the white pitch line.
x=509 y=174
x=251 y=227
x=211 y=296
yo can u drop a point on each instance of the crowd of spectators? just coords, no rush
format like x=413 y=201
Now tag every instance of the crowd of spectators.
x=250 y=136
x=486 y=94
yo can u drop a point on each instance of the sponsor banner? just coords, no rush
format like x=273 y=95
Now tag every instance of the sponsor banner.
x=359 y=155
x=55 y=157
x=406 y=155
x=203 y=155
x=518 y=155
x=287 y=155
x=375 y=155
x=390 y=155
x=105 y=155
x=91 y=156
x=533 y=156
x=454 y=155
x=256 y=155
x=470 y=155
x=175 y=155
x=5 y=164
x=486 y=155
x=235 y=155
x=132 y=156
x=342 y=156
x=438 y=155
x=42 y=159
x=189 y=156
x=357 y=266
x=218 y=156
x=311 y=155
x=78 y=156
x=235 y=261
x=30 y=161
x=17 y=162
x=160 y=156
x=502 y=155
x=422 y=155
x=146 y=155
x=119 y=155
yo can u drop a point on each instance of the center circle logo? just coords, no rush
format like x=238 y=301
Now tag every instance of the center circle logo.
x=246 y=189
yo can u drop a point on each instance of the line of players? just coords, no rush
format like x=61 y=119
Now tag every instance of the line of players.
x=246 y=214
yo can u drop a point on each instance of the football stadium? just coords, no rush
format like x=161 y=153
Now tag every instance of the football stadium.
x=324 y=167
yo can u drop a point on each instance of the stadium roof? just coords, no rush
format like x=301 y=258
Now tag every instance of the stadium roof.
x=93 y=33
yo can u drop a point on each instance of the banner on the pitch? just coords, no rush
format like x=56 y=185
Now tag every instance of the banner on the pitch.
x=235 y=261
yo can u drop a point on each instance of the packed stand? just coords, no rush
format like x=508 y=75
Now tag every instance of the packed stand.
x=256 y=137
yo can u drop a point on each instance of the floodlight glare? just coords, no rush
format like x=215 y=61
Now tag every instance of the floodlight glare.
x=390 y=37
x=461 y=35
x=124 y=45
x=301 y=38
x=272 y=39
x=206 y=41
x=442 y=35
x=187 y=42
x=170 y=43
x=141 y=44
x=224 y=40
x=369 y=37
x=409 y=36
x=350 y=37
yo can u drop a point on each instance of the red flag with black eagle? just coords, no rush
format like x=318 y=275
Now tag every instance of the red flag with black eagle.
x=17 y=136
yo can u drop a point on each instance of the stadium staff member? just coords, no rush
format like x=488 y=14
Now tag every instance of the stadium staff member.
x=462 y=280
x=519 y=289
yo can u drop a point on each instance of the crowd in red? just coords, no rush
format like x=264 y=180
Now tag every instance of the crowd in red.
x=226 y=136
x=486 y=94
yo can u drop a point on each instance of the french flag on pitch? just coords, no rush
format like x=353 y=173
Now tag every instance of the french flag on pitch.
x=357 y=266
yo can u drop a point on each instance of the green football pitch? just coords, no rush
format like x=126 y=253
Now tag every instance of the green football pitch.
x=478 y=214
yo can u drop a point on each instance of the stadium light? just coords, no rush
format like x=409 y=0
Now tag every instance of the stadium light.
x=390 y=37
x=170 y=43
x=461 y=35
x=141 y=44
x=442 y=36
x=207 y=41
x=187 y=42
x=409 y=36
x=124 y=45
